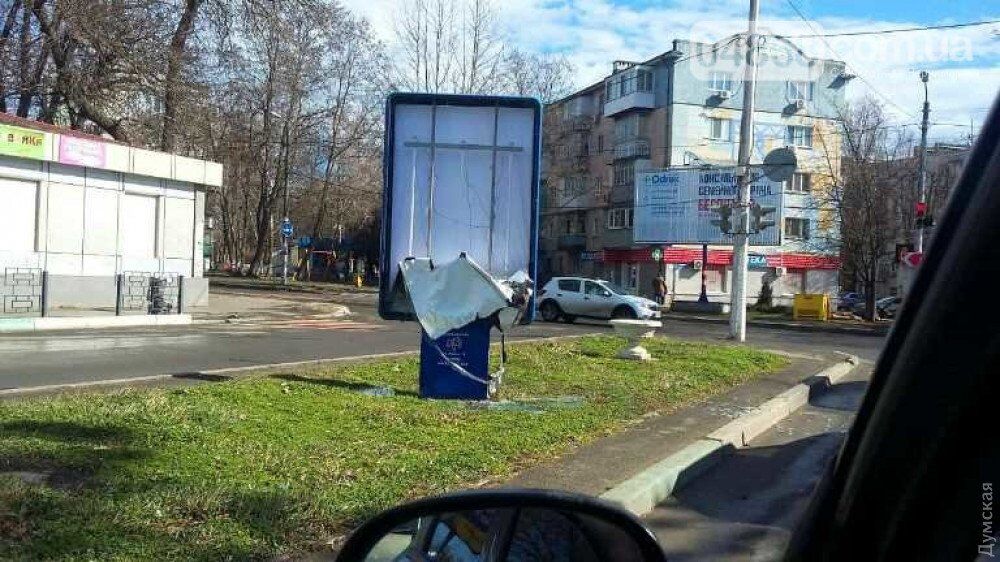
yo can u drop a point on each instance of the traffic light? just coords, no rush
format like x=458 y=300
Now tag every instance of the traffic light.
x=724 y=222
x=759 y=218
x=923 y=218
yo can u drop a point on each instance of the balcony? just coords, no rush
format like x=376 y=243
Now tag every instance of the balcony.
x=572 y=241
x=580 y=123
x=636 y=148
x=635 y=100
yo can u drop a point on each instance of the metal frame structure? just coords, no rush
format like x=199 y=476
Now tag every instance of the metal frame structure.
x=434 y=101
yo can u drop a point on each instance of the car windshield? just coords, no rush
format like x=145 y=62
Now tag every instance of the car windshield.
x=269 y=267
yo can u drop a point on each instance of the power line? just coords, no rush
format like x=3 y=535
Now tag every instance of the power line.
x=803 y=17
x=713 y=50
x=888 y=31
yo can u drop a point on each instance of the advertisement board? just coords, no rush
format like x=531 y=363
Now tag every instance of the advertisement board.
x=677 y=205
x=82 y=152
x=23 y=143
x=461 y=176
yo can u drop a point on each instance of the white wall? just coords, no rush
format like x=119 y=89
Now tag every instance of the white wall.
x=73 y=220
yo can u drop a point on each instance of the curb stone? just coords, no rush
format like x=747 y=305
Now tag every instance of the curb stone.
x=642 y=492
x=877 y=331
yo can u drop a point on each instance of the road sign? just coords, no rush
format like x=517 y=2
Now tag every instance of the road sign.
x=656 y=254
x=779 y=164
x=286 y=228
x=913 y=259
x=678 y=205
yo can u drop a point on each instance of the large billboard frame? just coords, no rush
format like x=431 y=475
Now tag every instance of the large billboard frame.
x=393 y=102
x=699 y=219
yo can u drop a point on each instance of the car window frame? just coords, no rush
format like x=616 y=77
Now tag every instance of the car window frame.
x=579 y=285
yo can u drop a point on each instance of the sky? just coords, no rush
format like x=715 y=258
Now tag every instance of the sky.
x=964 y=63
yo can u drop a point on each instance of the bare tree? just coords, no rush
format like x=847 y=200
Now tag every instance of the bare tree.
x=546 y=77
x=426 y=36
x=172 y=85
x=865 y=194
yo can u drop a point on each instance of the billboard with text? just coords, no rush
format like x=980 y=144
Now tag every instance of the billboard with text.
x=677 y=205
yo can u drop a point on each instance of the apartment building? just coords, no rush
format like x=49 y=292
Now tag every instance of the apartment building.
x=682 y=108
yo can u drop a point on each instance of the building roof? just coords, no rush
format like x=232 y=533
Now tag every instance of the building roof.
x=675 y=52
x=14 y=120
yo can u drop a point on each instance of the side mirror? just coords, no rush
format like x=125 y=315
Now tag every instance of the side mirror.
x=503 y=526
x=605 y=293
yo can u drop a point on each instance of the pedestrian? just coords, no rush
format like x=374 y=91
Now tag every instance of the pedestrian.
x=659 y=289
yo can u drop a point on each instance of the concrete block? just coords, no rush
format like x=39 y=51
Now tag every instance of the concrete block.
x=195 y=291
x=642 y=492
x=8 y=325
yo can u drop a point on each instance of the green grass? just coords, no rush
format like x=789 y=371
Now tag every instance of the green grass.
x=270 y=466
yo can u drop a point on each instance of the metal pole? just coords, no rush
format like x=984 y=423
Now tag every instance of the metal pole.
x=738 y=304
x=493 y=188
x=922 y=174
x=285 y=251
x=118 y=294
x=703 y=297
x=44 y=298
x=180 y=294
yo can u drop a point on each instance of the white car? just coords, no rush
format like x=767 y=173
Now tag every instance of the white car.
x=567 y=298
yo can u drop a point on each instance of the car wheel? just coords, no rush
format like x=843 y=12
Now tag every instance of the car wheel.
x=550 y=311
x=624 y=312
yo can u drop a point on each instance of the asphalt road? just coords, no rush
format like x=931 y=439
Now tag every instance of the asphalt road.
x=746 y=507
x=32 y=360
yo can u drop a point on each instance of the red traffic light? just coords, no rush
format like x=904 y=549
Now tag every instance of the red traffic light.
x=921 y=209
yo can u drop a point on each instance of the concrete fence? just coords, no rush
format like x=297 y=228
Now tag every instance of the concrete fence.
x=29 y=292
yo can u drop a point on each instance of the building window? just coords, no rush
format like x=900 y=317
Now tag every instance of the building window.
x=800 y=136
x=629 y=82
x=720 y=129
x=628 y=127
x=574 y=186
x=620 y=218
x=800 y=183
x=644 y=80
x=722 y=81
x=796 y=229
x=624 y=172
x=799 y=90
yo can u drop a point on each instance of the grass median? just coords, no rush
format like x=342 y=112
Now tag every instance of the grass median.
x=269 y=466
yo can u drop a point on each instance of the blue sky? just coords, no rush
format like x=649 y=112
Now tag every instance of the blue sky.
x=964 y=63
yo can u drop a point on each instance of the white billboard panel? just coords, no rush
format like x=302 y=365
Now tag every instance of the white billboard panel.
x=676 y=205
x=461 y=175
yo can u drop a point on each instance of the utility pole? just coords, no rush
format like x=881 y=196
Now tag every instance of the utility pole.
x=922 y=174
x=738 y=304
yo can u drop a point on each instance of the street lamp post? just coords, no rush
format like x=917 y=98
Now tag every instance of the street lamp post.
x=922 y=174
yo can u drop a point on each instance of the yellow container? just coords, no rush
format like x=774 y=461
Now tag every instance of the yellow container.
x=812 y=306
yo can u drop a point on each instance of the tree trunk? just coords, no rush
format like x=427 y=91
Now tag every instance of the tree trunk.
x=8 y=25
x=175 y=61
x=870 y=299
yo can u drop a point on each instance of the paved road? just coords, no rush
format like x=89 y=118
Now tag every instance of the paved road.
x=71 y=357
x=745 y=507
